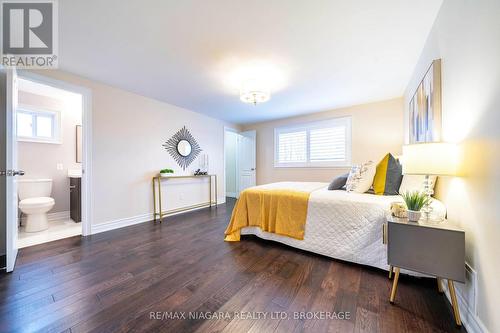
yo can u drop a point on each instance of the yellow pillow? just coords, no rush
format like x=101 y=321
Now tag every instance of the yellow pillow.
x=388 y=176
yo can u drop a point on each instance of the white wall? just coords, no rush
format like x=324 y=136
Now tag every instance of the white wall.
x=466 y=36
x=231 y=147
x=39 y=160
x=128 y=133
x=376 y=130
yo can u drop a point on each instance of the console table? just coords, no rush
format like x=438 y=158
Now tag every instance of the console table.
x=158 y=211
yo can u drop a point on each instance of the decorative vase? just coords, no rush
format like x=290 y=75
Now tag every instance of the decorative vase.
x=414 y=215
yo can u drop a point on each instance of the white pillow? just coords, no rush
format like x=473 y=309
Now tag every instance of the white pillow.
x=411 y=183
x=360 y=177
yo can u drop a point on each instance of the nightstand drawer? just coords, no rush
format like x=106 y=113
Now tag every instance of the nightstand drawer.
x=431 y=250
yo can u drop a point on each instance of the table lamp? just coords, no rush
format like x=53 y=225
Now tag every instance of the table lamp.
x=433 y=158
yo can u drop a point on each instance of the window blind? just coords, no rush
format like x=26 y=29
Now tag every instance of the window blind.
x=292 y=147
x=325 y=143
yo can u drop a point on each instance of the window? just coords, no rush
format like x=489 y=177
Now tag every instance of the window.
x=320 y=144
x=38 y=125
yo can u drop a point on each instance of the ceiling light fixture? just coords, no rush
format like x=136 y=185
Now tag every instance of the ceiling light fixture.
x=254 y=92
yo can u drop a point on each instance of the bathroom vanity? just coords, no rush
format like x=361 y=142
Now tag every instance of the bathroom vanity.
x=75 y=195
x=75 y=199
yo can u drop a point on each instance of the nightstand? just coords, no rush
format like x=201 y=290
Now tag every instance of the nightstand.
x=431 y=248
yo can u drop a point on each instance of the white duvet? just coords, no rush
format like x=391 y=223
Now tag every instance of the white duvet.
x=339 y=224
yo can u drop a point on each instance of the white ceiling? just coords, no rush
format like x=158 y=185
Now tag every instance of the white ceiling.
x=316 y=55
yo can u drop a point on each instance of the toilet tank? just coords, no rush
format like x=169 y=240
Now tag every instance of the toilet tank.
x=34 y=188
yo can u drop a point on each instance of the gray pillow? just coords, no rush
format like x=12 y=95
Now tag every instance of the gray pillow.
x=338 y=182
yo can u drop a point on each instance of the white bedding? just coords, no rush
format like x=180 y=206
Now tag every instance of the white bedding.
x=341 y=225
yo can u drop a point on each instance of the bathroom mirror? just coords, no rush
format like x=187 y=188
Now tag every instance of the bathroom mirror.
x=184 y=148
x=78 y=143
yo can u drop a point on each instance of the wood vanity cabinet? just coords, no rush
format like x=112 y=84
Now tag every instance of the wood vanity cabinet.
x=75 y=199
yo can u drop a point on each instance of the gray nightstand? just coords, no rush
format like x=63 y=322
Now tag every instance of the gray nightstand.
x=432 y=248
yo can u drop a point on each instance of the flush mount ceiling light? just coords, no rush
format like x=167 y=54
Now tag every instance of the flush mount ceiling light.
x=254 y=92
x=255 y=79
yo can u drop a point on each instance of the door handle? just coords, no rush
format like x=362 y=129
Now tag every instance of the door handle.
x=252 y=169
x=12 y=173
x=384 y=233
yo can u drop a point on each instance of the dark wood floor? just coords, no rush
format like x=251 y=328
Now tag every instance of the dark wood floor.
x=121 y=280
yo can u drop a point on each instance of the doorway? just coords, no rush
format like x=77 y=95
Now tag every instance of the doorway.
x=47 y=164
x=231 y=163
x=239 y=161
x=49 y=152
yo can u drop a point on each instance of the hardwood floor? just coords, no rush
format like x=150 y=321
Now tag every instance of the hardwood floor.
x=132 y=278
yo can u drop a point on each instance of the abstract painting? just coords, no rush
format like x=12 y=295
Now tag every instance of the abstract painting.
x=425 y=107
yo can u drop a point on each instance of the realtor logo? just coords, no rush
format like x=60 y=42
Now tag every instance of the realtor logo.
x=29 y=33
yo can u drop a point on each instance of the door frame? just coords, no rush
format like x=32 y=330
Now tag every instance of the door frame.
x=86 y=142
x=233 y=130
x=242 y=137
x=11 y=212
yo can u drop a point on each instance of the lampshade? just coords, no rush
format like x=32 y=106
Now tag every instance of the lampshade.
x=436 y=158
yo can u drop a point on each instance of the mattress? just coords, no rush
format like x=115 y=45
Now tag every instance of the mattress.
x=341 y=225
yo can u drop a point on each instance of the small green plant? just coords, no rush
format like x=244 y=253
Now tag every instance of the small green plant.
x=415 y=200
x=166 y=171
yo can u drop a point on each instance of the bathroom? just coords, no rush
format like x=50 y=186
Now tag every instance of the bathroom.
x=49 y=151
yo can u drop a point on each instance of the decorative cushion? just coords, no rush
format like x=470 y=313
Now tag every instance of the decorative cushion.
x=338 y=182
x=411 y=183
x=360 y=177
x=388 y=176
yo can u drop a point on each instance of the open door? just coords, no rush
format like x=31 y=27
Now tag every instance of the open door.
x=246 y=157
x=8 y=160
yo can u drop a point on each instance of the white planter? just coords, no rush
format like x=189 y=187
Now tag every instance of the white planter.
x=413 y=215
x=166 y=174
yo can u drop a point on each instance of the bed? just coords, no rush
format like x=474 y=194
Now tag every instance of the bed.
x=339 y=224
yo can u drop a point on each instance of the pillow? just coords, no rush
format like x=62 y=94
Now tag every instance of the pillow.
x=388 y=176
x=411 y=183
x=360 y=177
x=338 y=182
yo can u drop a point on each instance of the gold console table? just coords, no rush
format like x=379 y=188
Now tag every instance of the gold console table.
x=160 y=213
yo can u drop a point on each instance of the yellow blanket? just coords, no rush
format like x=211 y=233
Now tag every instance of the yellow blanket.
x=280 y=211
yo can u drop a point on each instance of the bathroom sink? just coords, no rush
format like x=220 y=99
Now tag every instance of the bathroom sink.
x=75 y=173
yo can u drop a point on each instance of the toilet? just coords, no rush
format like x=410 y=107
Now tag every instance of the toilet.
x=35 y=202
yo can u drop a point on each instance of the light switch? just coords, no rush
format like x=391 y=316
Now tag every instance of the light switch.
x=59 y=166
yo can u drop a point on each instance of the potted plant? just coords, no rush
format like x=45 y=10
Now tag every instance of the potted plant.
x=166 y=172
x=415 y=201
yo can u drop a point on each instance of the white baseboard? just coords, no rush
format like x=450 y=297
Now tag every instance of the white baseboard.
x=469 y=318
x=232 y=194
x=128 y=221
x=58 y=216
x=120 y=223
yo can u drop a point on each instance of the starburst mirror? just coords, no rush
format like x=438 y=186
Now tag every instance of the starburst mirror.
x=182 y=146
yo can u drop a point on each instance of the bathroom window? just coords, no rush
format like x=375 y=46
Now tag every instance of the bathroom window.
x=38 y=125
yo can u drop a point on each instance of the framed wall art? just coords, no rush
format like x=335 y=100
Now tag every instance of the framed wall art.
x=425 y=107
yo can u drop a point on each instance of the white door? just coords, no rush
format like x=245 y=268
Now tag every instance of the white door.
x=9 y=164
x=246 y=159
